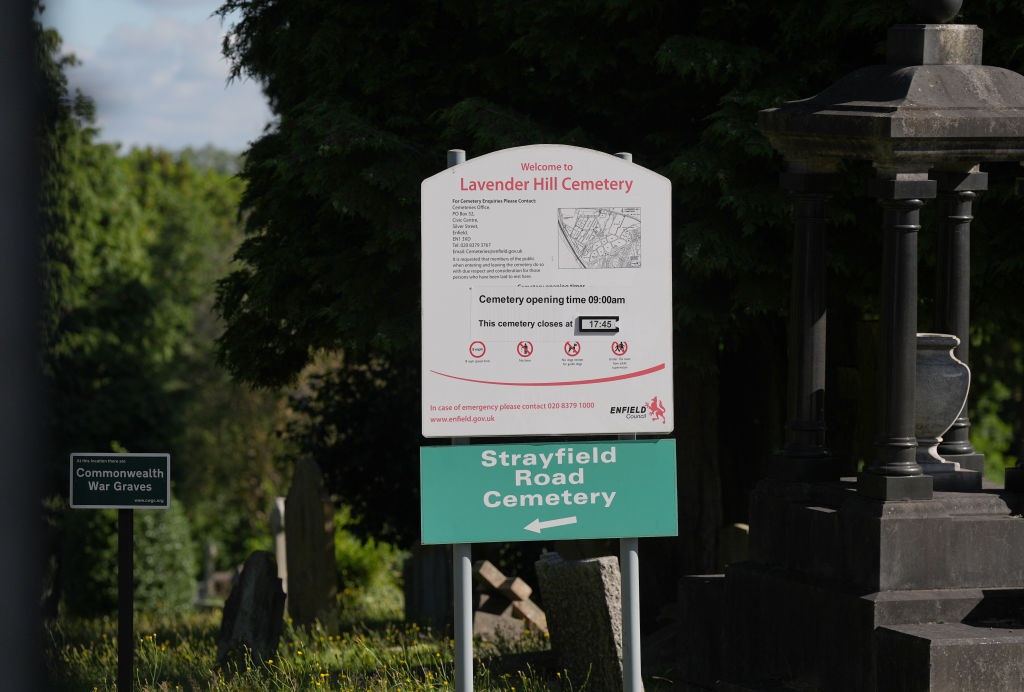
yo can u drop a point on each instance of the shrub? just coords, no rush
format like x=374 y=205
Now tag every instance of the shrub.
x=369 y=573
x=89 y=562
x=164 y=561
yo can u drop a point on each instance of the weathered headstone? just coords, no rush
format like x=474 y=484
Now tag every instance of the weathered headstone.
x=583 y=604
x=309 y=531
x=254 y=612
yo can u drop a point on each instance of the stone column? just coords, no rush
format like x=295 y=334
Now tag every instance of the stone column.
x=957 y=191
x=1015 y=476
x=806 y=456
x=895 y=474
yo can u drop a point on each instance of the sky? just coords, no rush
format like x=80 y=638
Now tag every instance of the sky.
x=155 y=71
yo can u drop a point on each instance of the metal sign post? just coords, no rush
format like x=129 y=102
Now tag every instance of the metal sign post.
x=125 y=598
x=124 y=482
x=629 y=565
x=462 y=562
x=462 y=568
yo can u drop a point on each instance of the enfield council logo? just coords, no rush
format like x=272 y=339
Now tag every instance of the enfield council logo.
x=655 y=409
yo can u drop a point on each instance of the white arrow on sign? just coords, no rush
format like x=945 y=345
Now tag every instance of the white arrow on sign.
x=537 y=525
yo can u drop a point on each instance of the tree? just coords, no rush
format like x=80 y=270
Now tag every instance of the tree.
x=164 y=562
x=368 y=96
x=131 y=248
x=107 y=348
x=113 y=336
x=352 y=418
x=227 y=443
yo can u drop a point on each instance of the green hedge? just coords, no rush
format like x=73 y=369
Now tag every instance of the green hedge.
x=165 y=563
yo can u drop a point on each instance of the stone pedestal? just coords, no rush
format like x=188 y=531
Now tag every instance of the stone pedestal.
x=843 y=592
x=950 y=656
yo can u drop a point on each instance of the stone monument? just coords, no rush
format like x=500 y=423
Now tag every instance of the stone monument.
x=909 y=577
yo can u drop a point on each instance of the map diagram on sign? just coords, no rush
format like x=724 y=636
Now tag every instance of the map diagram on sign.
x=599 y=238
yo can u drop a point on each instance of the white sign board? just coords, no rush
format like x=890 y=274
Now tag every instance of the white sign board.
x=547 y=296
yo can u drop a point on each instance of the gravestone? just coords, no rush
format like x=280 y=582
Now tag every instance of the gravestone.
x=309 y=531
x=583 y=604
x=253 y=614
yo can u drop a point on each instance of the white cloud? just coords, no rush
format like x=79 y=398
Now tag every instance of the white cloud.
x=164 y=84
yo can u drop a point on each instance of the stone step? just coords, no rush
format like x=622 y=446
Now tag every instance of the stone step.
x=949 y=657
x=977 y=607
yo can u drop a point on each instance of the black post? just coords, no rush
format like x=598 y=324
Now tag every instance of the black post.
x=125 y=599
x=895 y=474
x=957 y=191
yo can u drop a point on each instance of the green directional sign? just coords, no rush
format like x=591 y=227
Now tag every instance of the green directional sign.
x=120 y=481
x=556 y=491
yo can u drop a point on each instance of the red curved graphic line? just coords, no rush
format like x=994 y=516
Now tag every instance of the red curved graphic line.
x=597 y=380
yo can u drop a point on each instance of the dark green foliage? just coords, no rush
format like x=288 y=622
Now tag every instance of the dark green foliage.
x=165 y=566
x=333 y=223
x=353 y=419
x=118 y=318
x=129 y=360
x=230 y=472
x=369 y=572
x=89 y=562
x=164 y=561
x=132 y=245
x=369 y=95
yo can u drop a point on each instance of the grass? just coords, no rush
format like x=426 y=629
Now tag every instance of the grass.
x=373 y=649
x=180 y=654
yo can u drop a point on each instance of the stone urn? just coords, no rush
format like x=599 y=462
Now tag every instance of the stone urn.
x=942 y=385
